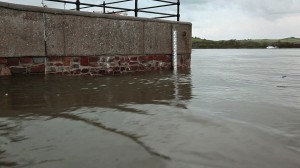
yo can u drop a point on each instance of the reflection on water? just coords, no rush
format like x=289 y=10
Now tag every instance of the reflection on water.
x=62 y=93
x=233 y=109
x=69 y=121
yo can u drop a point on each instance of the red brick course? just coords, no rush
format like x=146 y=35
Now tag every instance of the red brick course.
x=3 y=60
x=13 y=61
x=25 y=60
x=38 y=69
x=94 y=65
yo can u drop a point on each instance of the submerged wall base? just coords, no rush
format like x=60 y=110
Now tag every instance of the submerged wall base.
x=93 y=65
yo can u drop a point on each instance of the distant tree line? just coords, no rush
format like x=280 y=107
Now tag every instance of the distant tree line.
x=203 y=43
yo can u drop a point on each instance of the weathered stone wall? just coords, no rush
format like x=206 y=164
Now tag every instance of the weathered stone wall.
x=104 y=65
x=91 y=65
x=61 y=40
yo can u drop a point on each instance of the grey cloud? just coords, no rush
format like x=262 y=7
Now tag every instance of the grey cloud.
x=35 y=3
x=188 y=2
x=268 y=8
x=262 y=8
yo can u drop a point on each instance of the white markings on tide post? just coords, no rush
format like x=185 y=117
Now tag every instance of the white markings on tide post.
x=174 y=39
x=174 y=47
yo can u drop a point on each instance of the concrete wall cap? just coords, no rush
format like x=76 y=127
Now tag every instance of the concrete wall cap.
x=80 y=13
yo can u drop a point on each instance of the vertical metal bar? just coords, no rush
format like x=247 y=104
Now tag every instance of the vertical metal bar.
x=103 y=6
x=178 y=10
x=136 y=8
x=78 y=5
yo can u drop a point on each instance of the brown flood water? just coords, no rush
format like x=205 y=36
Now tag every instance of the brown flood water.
x=232 y=109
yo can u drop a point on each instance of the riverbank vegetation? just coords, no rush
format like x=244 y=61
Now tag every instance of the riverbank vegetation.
x=291 y=42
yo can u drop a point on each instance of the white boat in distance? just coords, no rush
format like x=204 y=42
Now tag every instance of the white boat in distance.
x=272 y=47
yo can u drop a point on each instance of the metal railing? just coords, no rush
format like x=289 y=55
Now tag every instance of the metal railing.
x=136 y=9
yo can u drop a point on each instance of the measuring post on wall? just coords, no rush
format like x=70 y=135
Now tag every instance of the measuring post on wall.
x=174 y=46
x=174 y=62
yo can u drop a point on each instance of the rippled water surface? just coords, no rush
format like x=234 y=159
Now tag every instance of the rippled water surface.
x=233 y=109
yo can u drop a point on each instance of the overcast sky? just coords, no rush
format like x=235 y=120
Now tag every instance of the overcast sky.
x=225 y=19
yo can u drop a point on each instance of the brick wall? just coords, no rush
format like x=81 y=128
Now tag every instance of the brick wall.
x=93 y=65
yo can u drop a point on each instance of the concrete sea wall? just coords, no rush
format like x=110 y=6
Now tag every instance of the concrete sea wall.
x=44 y=41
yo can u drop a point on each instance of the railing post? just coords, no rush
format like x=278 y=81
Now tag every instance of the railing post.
x=136 y=8
x=103 y=6
x=78 y=5
x=178 y=10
